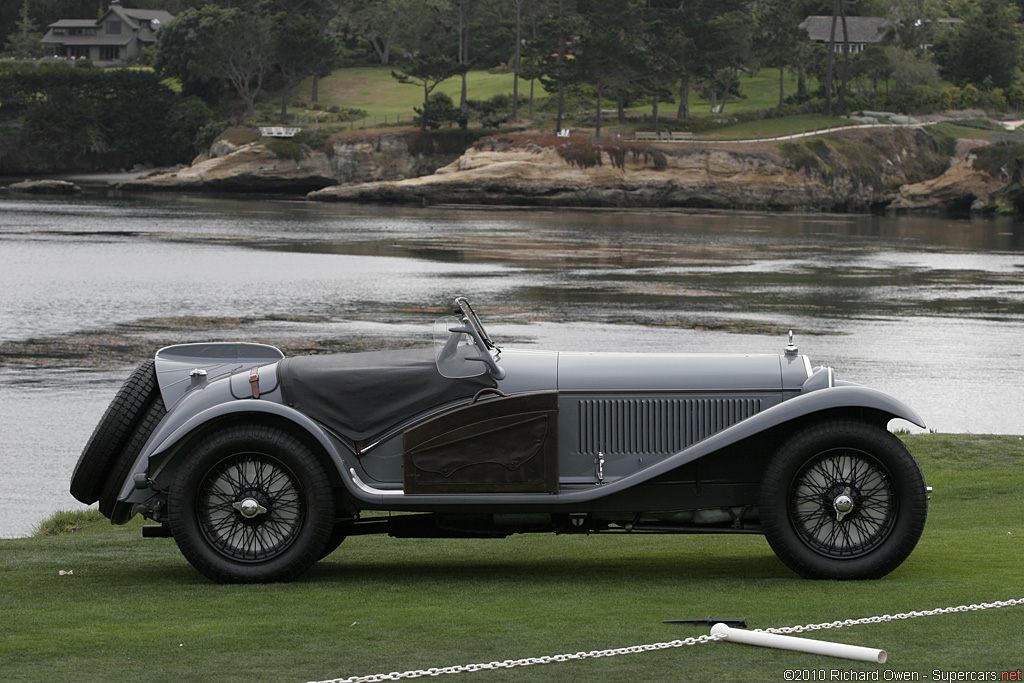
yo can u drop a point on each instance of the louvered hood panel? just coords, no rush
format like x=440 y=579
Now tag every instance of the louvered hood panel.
x=655 y=426
x=623 y=409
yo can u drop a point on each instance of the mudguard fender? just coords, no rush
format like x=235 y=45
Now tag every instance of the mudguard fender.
x=162 y=451
x=851 y=396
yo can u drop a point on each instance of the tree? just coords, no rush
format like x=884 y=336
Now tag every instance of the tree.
x=300 y=49
x=24 y=41
x=427 y=72
x=838 y=12
x=986 y=47
x=912 y=23
x=910 y=68
x=530 y=64
x=724 y=49
x=324 y=53
x=379 y=22
x=517 y=6
x=649 y=56
x=598 y=59
x=554 y=49
x=875 y=63
x=463 y=11
x=439 y=110
x=778 y=38
x=205 y=47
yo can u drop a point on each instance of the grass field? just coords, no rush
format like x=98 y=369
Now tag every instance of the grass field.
x=385 y=99
x=134 y=609
x=374 y=90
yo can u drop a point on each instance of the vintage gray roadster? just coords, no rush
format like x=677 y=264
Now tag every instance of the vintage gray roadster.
x=259 y=465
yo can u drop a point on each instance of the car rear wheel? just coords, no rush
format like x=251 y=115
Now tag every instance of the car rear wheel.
x=339 y=534
x=251 y=504
x=112 y=432
x=843 y=499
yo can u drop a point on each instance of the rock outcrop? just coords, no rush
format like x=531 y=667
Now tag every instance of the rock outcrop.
x=250 y=168
x=849 y=171
x=255 y=167
x=960 y=189
x=45 y=187
x=839 y=177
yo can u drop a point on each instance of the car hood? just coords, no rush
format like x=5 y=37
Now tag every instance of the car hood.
x=586 y=372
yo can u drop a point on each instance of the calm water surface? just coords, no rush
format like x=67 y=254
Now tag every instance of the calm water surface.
x=929 y=310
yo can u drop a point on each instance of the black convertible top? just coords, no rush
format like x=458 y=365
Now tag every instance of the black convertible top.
x=360 y=395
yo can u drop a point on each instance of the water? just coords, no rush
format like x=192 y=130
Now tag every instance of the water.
x=926 y=309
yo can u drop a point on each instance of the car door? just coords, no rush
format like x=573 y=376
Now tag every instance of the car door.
x=504 y=444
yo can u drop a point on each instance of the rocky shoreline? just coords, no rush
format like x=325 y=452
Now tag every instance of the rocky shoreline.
x=904 y=170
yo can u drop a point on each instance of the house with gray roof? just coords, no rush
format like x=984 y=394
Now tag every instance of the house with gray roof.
x=860 y=31
x=117 y=36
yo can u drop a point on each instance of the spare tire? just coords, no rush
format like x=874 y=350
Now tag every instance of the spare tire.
x=113 y=432
x=122 y=465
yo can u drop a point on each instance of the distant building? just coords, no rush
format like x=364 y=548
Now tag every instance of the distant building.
x=864 y=30
x=117 y=36
x=860 y=31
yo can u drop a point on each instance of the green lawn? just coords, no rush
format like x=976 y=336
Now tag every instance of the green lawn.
x=385 y=99
x=374 y=90
x=770 y=128
x=135 y=610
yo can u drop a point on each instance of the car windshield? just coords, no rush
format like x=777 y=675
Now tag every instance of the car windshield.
x=454 y=349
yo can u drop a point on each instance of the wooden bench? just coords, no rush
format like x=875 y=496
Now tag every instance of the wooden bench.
x=645 y=135
x=683 y=135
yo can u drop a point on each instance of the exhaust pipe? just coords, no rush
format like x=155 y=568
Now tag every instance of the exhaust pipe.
x=156 y=531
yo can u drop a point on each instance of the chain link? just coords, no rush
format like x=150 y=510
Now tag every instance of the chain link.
x=699 y=640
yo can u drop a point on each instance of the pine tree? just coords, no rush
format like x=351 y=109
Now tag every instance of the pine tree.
x=24 y=40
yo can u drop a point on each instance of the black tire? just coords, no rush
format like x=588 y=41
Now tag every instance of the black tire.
x=112 y=433
x=843 y=499
x=251 y=504
x=338 y=534
x=126 y=458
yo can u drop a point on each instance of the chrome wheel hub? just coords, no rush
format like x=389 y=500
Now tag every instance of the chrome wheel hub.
x=843 y=504
x=249 y=507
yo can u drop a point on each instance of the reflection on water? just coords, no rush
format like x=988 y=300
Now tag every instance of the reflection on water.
x=926 y=309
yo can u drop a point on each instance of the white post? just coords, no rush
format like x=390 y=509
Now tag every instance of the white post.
x=817 y=647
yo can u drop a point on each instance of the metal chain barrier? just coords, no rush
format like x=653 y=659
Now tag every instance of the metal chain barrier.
x=593 y=654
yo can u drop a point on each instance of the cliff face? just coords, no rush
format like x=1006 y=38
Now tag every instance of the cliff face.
x=851 y=173
x=255 y=167
x=961 y=188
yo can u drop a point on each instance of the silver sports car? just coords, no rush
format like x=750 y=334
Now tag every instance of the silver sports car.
x=259 y=465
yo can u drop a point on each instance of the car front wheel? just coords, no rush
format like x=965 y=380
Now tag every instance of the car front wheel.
x=251 y=504
x=843 y=499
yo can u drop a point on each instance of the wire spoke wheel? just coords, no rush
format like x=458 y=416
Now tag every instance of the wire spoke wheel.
x=843 y=503
x=843 y=499
x=251 y=503
x=250 y=507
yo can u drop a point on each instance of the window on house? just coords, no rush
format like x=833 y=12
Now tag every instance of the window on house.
x=114 y=28
x=110 y=52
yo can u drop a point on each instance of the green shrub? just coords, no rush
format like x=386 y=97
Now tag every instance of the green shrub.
x=68 y=522
x=286 y=148
x=440 y=110
x=240 y=135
